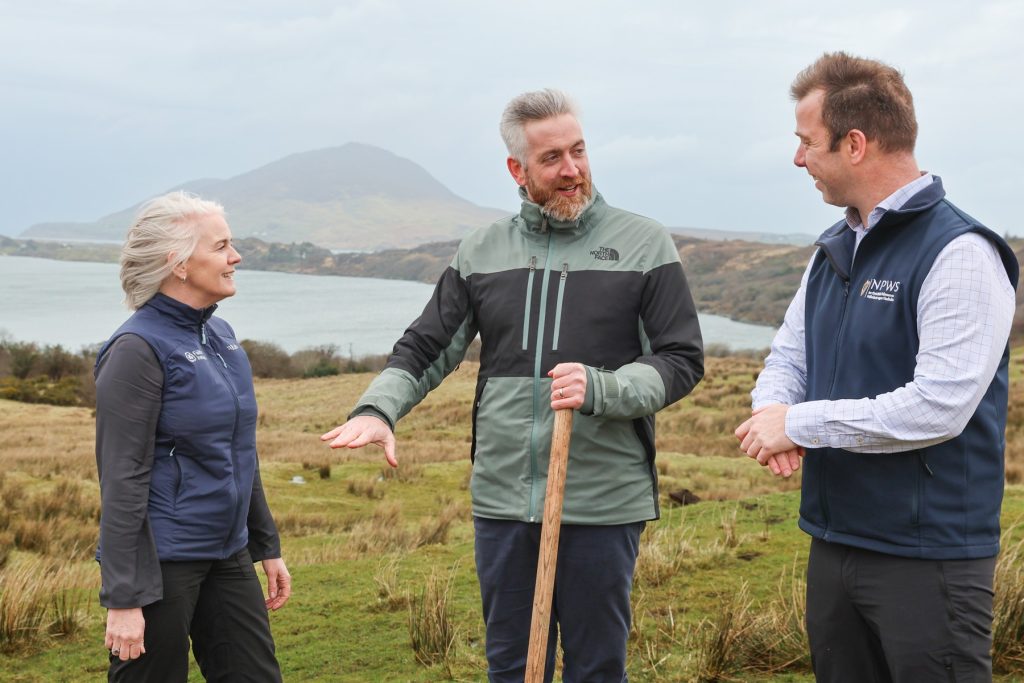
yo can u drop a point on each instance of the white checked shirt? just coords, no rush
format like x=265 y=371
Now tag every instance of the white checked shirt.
x=964 y=313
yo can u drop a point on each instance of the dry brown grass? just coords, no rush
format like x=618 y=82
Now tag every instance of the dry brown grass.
x=665 y=550
x=39 y=598
x=40 y=442
x=744 y=637
x=1008 y=609
x=389 y=594
x=49 y=495
x=371 y=487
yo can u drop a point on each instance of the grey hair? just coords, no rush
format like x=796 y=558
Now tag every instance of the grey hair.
x=531 y=106
x=165 y=225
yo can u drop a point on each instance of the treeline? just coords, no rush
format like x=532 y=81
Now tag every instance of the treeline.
x=46 y=374
x=52 y=374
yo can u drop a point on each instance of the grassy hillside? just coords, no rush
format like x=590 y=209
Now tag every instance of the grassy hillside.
x=367 y=546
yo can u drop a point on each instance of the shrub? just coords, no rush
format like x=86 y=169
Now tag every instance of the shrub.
x=23 y=356
x=56 y=362
x=268 y=359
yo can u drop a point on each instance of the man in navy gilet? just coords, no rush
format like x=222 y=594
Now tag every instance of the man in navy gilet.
x=889 y=378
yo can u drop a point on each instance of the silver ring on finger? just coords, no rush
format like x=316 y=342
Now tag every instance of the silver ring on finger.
x=561 y=393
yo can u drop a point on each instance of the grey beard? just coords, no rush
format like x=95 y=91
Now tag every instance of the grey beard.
x=565 y=211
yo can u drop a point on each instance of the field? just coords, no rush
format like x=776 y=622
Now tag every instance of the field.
x=383 y=560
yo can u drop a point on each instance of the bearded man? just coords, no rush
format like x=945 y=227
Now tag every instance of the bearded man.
x=581 y=306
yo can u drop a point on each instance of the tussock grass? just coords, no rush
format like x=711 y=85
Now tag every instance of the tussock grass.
x=297 y=524
x=432 y=632
x=40 y=598
x=744 y=638
x=389 y=594
x=434 y=530
x=717 y=643
x=665 y=550
x=384 y=532
x=408 y=471
x=1008 y=610
x=369 y=488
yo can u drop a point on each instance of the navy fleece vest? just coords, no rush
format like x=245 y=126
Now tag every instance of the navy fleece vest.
x=205 y=456
x=940 y=502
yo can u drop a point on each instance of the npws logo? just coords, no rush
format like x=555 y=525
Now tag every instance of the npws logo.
x=880 y=290
x=605 y=254
x=193 y=356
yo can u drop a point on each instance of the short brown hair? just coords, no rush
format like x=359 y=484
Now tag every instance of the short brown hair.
x=864 y=94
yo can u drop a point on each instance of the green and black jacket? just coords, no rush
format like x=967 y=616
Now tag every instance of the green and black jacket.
x=607 y=291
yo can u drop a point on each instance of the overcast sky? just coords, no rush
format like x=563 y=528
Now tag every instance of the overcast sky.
x=685 y=105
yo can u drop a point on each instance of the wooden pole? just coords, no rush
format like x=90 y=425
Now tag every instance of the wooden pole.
x=546 y=560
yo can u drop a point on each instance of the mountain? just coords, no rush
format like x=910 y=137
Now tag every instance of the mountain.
x=351 y=197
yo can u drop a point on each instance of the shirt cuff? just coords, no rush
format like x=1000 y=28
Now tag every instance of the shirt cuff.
x=812 y=425
x=805 y=424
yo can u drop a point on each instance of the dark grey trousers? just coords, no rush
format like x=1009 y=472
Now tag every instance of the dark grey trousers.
x=876 y=618
x=219 y=603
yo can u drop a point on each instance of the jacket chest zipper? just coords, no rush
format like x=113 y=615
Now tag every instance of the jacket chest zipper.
x=529 y=302
x=831 y=386
x=558 y=305
x=238 y=411
x=537 y=399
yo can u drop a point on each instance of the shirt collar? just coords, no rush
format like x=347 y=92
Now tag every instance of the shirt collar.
x=893 y=202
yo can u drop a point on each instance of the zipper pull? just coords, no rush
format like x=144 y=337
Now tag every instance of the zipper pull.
x=565 y=271
x=924 y=463
x=222 y=359
x=533 y=264
x=203 y=337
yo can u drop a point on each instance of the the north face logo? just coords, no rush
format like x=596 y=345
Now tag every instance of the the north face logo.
x=605 y=254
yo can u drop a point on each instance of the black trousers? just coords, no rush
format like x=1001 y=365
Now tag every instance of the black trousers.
x=879 y=618
x=593 y=578
x=220 y=605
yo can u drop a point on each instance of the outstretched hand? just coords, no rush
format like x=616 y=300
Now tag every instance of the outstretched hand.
x=361 y=430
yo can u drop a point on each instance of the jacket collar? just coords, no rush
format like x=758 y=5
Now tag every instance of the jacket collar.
x=179 y=312
x=537 y=222
x=838 y=242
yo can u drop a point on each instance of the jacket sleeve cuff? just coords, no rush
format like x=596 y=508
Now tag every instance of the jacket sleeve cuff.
x=588 y=400
x=373 y=412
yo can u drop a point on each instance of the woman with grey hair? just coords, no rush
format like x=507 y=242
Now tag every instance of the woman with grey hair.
x=184 y=516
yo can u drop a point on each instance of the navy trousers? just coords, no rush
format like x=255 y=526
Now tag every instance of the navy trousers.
x=590 y=609
x=219 y=603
